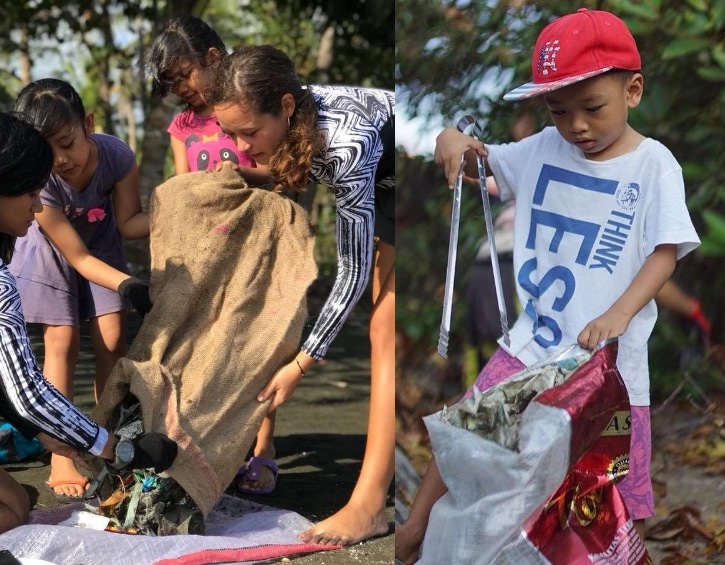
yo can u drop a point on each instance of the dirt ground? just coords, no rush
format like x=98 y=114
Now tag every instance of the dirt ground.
x=320 y=439
x=688 y=466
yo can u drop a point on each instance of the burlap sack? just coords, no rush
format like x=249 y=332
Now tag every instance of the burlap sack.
x=230 y=269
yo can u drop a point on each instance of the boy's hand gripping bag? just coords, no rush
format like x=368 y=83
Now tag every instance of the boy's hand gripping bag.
x=532 y=481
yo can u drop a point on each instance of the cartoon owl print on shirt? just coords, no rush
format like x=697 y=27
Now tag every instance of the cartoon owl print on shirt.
x=204 y=152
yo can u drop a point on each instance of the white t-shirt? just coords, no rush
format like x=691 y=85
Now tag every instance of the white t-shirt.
x=582 y=231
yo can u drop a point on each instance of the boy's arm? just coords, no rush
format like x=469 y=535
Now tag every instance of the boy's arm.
x=450 y=145
x=409 y=536
x=655 y=271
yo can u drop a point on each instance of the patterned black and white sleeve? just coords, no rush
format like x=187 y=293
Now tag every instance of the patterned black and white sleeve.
x=28 y=400
x=352 y=125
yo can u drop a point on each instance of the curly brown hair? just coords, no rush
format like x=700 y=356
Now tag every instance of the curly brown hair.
x=259 y=76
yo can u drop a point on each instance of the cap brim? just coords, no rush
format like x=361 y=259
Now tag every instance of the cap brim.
x=531 y=89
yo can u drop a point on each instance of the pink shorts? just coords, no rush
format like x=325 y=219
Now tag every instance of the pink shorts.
x=636 y=487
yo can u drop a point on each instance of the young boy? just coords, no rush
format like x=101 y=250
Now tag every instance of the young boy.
x=600 y=222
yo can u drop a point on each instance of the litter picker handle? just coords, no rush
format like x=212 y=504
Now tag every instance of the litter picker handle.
x=476 y=132
x=464 y=124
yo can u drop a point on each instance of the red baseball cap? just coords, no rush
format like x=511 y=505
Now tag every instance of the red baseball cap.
x=576 y=47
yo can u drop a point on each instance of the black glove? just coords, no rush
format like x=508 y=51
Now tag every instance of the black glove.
x=146 y=451
x=137 y=292
x=153 y=450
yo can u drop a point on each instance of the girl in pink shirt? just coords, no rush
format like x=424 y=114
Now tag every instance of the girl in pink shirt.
x=183 y=60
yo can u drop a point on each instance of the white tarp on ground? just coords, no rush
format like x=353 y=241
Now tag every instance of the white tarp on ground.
x=237 y=531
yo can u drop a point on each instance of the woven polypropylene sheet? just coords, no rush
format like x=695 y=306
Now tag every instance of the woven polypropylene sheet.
x=237 y=531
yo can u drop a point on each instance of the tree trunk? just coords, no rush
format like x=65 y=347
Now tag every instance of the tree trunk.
x=102 y=58
x=25 y=64
x=325 y=54
x=155 y=144
x=126 y=114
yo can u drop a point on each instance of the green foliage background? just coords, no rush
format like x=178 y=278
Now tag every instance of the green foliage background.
x=454 y=58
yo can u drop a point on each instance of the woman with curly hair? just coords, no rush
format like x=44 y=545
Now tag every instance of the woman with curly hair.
x=341 y=137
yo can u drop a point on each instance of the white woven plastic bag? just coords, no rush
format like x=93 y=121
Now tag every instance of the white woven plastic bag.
x=492 y=490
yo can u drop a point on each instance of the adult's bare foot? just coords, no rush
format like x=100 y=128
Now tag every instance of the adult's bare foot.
x=348 y=526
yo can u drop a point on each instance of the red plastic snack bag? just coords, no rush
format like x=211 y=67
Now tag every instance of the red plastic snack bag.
x=586 y=521
x=548 y=496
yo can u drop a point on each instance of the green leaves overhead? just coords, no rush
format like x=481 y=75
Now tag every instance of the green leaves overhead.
x=685 y=46
x=455 y=58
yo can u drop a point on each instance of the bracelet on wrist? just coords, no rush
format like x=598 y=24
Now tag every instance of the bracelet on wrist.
x=302 y=371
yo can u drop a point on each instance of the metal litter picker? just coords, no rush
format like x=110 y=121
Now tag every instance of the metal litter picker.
x=469 y=123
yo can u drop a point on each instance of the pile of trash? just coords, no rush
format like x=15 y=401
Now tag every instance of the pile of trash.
x=140 y=500
x=531 y=467
x=495 y=414
x=145 y=503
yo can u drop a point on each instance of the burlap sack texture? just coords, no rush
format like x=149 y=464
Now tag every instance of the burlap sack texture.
x=230 y=269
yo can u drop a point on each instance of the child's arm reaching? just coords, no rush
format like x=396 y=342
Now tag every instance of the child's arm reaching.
x=255 y=176
x=61 y=233
x=409 y=536
x=450 y=145
x=655 y=271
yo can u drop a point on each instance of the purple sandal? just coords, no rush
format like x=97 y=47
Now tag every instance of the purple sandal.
x=250 y=472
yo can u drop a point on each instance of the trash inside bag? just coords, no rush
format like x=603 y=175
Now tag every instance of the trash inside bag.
x=142 y=501
x=495 y=414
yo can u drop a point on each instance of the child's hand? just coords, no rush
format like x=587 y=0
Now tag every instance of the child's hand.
x=137 y=291
x=225 y=165
x=609 y=325
x=450 y=145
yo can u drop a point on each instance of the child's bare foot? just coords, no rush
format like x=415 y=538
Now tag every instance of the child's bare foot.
x=348 y=526
x=65 y=480
x=407 y=544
